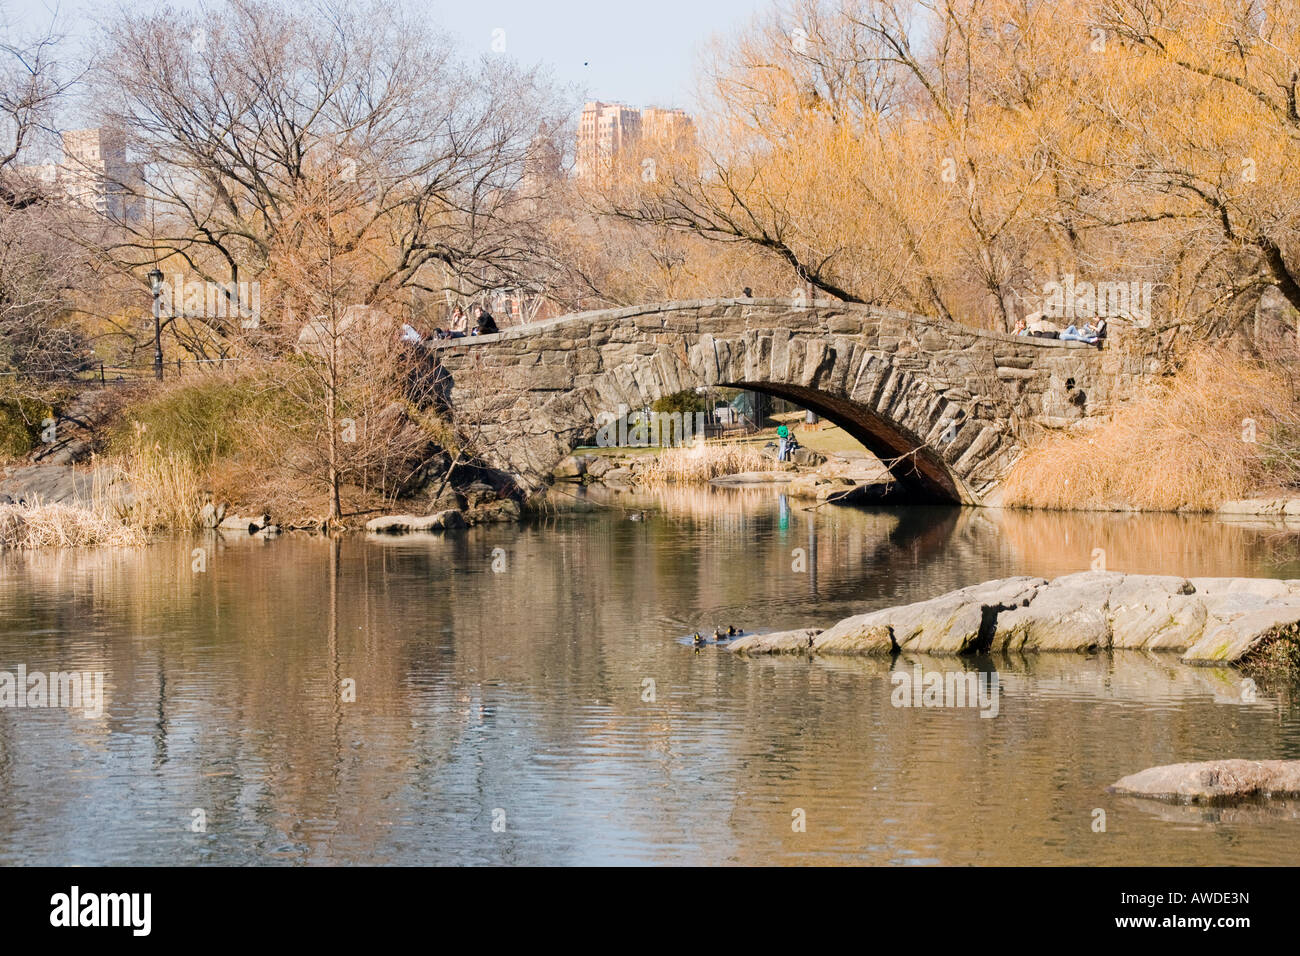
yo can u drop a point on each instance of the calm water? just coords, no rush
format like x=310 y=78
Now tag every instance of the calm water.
x=518 y=695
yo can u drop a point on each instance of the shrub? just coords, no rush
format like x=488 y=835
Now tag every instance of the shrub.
x=64 y=526
x=685 y=402
x=20 y=426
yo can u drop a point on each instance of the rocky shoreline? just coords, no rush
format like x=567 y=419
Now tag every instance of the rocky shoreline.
x=1211 y=621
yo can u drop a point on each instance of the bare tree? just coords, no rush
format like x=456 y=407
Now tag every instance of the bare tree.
x=233 y=111
x=40 y=271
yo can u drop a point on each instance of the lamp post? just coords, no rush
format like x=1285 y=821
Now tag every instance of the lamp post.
x=155 y=285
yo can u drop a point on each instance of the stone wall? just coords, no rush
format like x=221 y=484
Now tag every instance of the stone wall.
x=949 y=406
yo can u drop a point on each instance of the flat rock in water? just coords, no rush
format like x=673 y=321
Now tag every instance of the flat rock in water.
x=1261 y=587
x=1210 y=620
x=752 y=478
x=1215 y=781
x=780 y=642
x=956 y=622
x=865 y=634
x=416 y=524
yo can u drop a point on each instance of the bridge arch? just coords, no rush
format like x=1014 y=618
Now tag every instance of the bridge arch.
x=944 y=405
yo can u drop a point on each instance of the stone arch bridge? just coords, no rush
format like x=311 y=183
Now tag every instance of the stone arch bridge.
x=946 y=406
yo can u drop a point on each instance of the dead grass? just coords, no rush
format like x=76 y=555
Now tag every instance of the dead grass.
x=64 y=526
x=702 y=462
x=168 y=488
x=1220 y=429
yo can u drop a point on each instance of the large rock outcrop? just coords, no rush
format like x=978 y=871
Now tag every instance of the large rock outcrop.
x=1210 y=620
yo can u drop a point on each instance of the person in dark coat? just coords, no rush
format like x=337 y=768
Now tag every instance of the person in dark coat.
x=484 y=324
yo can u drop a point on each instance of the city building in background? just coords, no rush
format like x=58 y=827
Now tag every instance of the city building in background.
x=669 y=128
x=94 y=174
x=610 y=133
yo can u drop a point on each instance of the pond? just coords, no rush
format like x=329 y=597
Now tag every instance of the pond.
x=519 y=694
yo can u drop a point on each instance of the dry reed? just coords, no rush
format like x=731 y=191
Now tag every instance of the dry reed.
x=168 y=488
x=702 y=462
x=1220 y=429
x=65 y=526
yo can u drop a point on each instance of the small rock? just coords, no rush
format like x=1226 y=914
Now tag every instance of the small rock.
x=449 y=520
x=240 y=523
x=807 y=457
x=446 y=498
x=479 y=493
x=1214 y=781
x=809 y=486
x=570 y=469
x=507 y=509
x=211 y=516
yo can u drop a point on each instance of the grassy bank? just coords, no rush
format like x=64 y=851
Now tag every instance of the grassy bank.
x=1223 y=428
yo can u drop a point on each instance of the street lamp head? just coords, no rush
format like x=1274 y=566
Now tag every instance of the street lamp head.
x=155 y=280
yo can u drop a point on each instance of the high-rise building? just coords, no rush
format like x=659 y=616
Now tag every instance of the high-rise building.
x=94 y=173
x=672 y=129
x=609 y=133
x=542 y=165
x=606 y=132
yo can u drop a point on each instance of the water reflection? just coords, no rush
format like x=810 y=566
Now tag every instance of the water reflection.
x=525 y=691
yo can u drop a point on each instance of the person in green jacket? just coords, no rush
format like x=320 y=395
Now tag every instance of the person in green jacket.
x=783 y=449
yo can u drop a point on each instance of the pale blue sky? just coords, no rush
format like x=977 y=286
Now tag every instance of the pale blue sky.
x=641 y=52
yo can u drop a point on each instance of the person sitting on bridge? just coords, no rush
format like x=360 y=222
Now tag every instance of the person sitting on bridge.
x=484 y=324
x=1099 y=331
x=458 y=325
